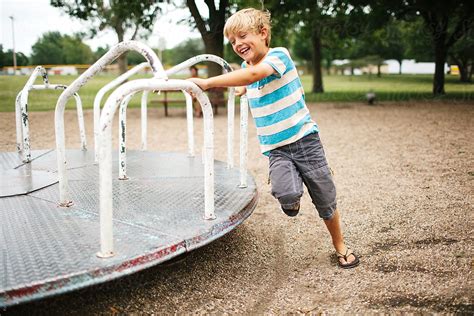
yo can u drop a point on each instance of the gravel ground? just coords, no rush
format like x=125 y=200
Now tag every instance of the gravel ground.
x=405 y=179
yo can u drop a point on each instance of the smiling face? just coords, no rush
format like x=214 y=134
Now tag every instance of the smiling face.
x=250 y=46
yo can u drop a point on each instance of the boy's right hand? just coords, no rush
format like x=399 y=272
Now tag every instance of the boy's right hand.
x=240 y=91
x=202 y=83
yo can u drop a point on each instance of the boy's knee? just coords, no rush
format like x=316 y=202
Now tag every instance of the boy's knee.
x=289 y=201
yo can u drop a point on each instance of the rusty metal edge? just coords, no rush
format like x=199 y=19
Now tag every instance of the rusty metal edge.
x=83 y=279
x=80 y=280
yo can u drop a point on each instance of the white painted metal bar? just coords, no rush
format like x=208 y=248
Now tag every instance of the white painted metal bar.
x=189 y=116
x=24 y=110
x=122 y=138
x=244 y=119
x=144 y=101
x=231 y=97
x=106 y=59
x=80 y=113
x=19 y=133
x=230 y=129
x=22 y=118
x=109 y=86
x=105 y=150
x=190 y=123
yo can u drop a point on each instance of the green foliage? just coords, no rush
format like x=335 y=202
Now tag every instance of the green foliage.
x=418 y=40
x=118 y=15
x=447 y=22
x=462 y=55
x=100 y=52
x=53 y=49
x=183 y=51
x=6 y=58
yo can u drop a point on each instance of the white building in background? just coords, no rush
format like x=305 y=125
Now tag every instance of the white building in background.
x=391 y=66
x=410 y=66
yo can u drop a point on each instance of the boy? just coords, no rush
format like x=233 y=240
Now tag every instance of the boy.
x=286 y=132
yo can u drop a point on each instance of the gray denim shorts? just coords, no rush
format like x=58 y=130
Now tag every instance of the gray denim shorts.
x=301 y=162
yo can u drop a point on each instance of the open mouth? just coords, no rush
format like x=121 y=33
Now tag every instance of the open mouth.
x=243 y=51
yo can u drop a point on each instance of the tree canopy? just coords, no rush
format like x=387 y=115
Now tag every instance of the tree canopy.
x=447 y=22
x=53 y=48
x=6 y=58
x=118 y=15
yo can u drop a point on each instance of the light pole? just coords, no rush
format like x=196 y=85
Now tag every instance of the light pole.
x=13 y=38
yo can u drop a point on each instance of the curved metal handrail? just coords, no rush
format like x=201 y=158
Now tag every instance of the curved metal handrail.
x=100 y=94
x=230 y=114
x=117 y=99
x=107 y=58
x=230 y=101
x=21 y=112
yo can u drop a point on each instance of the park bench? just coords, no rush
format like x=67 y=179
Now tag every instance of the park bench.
x=166 y=98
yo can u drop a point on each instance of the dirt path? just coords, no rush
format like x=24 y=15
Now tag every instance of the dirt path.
x=405 y=179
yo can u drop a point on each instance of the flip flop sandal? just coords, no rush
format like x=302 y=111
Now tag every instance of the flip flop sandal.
x=350 y=265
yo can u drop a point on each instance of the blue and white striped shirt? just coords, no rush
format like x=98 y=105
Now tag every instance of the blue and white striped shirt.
x=277 y=103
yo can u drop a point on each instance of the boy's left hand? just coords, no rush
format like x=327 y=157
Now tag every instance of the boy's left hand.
x=202 y=83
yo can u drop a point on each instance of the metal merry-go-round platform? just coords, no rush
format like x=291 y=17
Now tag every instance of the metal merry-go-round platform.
x=73 y=218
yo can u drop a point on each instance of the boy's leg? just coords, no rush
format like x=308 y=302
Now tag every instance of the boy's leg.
x=334 y=227
x=312 y=164
x=286 y=181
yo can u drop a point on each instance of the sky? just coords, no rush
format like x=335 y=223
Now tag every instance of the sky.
x=32 y=18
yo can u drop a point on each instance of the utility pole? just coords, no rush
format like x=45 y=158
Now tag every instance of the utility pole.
x=13 y=39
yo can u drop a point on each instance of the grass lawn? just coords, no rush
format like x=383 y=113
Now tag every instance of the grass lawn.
x=337 y=89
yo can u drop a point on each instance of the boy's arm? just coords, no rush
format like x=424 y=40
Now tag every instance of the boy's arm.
x=241 y=77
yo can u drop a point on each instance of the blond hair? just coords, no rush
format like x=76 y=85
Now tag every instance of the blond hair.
x=249 y=19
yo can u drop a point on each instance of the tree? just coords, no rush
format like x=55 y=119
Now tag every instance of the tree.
x=211 y=29
x=6 y=58
x=100 y=51
x=54 y=49
x=417 y=39
x=75 y=51
x=119 y=16
x=185 y=50
x=462 y=55
x=47 y=50
x=212 y=33
x=308 y=18
x=447 y=22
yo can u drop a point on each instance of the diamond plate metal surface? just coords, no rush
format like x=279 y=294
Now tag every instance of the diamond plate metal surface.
x=24 y=180
x=11 y=160
x=158 y=214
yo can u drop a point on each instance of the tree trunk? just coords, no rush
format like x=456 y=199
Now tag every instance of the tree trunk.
x=463 y=66
x=214 y=44
x=122 y=59
x=400 y=69
x=440 y=60
x=213 y=37
x=471 y=71
x=317 y=72
x=379 y=73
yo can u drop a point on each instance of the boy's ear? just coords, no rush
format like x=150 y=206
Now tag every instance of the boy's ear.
x=264 y=33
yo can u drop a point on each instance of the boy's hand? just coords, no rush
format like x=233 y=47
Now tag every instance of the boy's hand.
x=240 y=91
x=202 y=83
